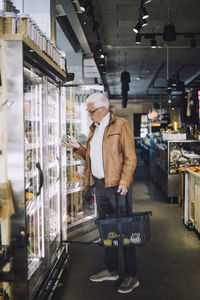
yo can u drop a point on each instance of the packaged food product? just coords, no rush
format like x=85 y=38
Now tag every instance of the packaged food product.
x=23 y=23
x=193 y=168
x=9 y=22
x=1 y=23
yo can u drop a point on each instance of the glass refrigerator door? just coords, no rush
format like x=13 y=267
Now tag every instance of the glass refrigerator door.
x=53 y=168
x=33 y=169
x=63 y=163
x=80 y=204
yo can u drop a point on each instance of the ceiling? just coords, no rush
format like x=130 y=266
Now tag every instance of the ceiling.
x=149 y=68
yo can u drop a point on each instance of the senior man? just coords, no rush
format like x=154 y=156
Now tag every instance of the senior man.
x=110 y=165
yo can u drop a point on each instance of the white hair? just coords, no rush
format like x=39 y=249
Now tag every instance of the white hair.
x=98 y=99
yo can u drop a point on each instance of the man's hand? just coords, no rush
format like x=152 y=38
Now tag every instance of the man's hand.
x=71 y=144
x=122 y=189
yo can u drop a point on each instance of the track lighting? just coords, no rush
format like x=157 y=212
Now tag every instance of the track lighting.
x=138 y=39
x=153 y=43
x=143 y=22
x=98 y=47
x=137 y=27
x=193 y=43
x=86 y=7
x=146 y=1
x=143 y=13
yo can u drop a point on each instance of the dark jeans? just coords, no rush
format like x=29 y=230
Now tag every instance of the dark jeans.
x=106 y=204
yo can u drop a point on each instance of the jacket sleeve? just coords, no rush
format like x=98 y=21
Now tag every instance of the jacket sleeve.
x=81 y=151
x=129 y=155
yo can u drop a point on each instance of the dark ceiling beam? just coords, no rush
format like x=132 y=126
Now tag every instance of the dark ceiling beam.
x=192 y=78
x=69 y=10
x=69 y=32
x=155 y=76
x=185 y=34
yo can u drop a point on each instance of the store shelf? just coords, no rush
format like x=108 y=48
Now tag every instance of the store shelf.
x=37 y=50
x=31 y=146
x=31 y=174
x=31 y=119
x=75 y=223
x=76 y=121
x=74 y=190
x=74 y=163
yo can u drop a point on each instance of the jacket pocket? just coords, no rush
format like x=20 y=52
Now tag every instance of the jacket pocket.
x=113 y=134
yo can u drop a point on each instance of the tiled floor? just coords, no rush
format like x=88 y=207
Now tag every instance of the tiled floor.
x=168 y=265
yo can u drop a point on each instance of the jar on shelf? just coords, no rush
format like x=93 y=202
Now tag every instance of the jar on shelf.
x=9 y=22
x=23 y=23
x=44 y=42
x=1 y=23
x=33 y=31
x=48 y=47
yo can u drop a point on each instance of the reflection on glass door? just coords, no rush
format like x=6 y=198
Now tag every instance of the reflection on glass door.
x=33 y=169
x=53 y=166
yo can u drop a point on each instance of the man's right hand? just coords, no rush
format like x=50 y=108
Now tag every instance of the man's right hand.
x=71 y=144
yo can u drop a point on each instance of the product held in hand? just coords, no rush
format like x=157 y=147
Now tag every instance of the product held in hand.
x=67 y=138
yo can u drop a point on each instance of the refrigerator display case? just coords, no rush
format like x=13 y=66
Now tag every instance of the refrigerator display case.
x=36 y=166
x=169 y=157
x=80 y=205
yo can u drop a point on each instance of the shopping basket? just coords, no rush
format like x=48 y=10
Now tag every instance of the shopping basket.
x=131 y=230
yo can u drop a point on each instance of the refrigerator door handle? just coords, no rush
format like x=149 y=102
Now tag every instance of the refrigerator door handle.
x=58 y=169
x=41 y=181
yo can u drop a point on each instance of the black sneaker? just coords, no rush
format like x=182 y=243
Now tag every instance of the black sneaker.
x=104 y=275
x=128 y=285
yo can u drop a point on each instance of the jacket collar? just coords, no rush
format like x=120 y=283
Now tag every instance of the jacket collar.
x=112 y=119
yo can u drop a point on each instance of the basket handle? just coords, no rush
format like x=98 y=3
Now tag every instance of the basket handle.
x=120 y=205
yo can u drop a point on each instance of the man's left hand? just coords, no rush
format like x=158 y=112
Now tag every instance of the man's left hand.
x=122 y=189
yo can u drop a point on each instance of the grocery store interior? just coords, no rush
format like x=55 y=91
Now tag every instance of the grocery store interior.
x=143 y=55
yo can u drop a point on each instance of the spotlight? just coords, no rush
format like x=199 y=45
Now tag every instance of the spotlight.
x=137 y=27
x=169 y=33
x=143 y=22
x=86 y=7
x=146 y=1
x=138 y=38
x=143 y=13
x=193 y=43
x=153 y=43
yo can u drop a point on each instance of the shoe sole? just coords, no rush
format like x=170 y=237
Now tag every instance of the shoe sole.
x=113 y=278
x=130 y=290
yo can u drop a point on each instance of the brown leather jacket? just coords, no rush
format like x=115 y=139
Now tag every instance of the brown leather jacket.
x=119 y=158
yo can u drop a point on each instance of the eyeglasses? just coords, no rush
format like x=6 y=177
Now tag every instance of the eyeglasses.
x=91 y=112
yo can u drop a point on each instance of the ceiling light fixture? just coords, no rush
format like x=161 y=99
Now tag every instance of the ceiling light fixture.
x=153 y=43
x=146 y=1
x=86 y=7
x=143 y=22
x=143 y=13
x=137 y=27
x=138 y=38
